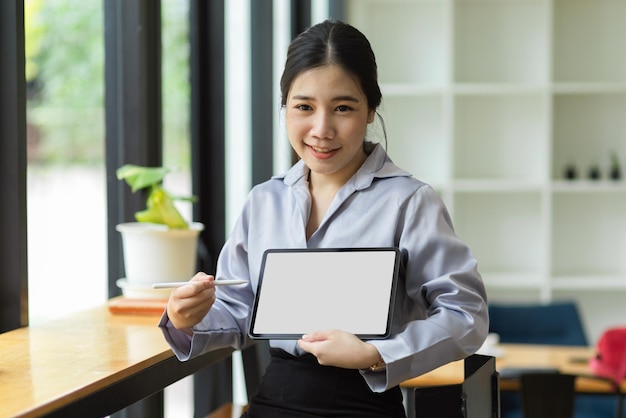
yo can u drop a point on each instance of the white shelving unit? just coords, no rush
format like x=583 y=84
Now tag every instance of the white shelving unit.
x=489 y=101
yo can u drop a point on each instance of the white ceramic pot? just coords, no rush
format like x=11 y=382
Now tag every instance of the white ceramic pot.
x=154 y=253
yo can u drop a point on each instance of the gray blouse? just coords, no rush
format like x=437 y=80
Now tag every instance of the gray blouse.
x=440 y=312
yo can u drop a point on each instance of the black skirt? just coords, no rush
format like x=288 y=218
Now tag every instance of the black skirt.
x=299 y=387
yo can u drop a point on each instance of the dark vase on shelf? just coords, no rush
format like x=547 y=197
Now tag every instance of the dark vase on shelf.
x=594 y=173
x=615 y=173
x=570 y=172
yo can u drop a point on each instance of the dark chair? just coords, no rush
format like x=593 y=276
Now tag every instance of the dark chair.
x=547 y=395
x=557 y=323
x=477 y=397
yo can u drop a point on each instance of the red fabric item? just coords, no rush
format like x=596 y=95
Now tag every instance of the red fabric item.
x=610 y=359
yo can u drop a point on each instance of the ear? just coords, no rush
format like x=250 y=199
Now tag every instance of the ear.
x=371 y=115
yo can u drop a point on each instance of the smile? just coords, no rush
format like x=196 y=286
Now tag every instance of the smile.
x=322 y=150
x=322 y=153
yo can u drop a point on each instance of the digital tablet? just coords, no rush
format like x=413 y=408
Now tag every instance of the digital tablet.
x=306 y=290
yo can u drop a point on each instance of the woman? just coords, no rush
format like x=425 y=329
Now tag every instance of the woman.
x=344 y=192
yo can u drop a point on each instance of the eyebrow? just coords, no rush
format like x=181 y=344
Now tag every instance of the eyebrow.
x=334 y=99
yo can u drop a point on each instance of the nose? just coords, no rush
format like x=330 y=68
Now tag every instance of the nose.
x=322 y=125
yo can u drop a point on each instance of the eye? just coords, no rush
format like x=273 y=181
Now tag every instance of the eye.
x=303 y=107
x=343 y=108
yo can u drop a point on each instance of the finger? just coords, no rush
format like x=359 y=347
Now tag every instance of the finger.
x=310 y=337
x=202 y=281
x=190 y=311
x=311 y=342
x=194 y=292
x=196 y=288
x=201 y=276
x=317 y=336
x=199 y=310
x=306 y=346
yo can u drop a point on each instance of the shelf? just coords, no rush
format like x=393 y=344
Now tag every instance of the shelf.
x=504 y=230
x=419 y=30
x=503 y=280
x=588 y=88
x=416 y=136
x=496 y=186
x=498 y=88
x=589 y=234
x=489 y=101
x=589 y=186
x=407 y=89
x=589 y=41
x=500 y=137
x=587 y=128
x=590 y=283
x=502 y=41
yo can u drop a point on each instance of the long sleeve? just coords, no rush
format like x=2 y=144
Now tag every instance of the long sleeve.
x=226 y=323
x=444 y=312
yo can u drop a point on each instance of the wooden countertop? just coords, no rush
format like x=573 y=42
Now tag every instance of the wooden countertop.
x=96 y=362
x=54 y=365
x=566 y=359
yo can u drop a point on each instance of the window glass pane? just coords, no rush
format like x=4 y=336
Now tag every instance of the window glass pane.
x=176 y=98
x=66 y=180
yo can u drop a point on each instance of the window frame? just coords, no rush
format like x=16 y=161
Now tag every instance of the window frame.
x=13 y=240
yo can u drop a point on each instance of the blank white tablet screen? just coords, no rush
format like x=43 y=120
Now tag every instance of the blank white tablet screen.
x=305 y=291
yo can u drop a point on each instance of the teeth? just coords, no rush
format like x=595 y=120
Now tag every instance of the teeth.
x=318 y=149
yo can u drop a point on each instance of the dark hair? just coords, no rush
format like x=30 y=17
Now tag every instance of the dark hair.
x=333 y=42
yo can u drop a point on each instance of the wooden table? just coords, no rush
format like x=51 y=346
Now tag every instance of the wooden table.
x=566 y=359
x=92 y=363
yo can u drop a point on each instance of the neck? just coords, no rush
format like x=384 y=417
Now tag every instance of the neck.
x=334 y=181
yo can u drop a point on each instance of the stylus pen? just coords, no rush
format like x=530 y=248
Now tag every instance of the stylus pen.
x=171 y=285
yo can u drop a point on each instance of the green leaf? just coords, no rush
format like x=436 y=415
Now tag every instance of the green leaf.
x=161 y=210
x=138 y=177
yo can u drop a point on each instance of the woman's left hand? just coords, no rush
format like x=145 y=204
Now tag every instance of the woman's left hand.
x=340 y=349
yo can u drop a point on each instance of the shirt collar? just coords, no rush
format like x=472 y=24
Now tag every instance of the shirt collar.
x=377 y=165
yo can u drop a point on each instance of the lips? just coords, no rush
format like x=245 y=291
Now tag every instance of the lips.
x=321 y=152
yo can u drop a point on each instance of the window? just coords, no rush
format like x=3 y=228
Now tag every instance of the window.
x=66 y=196
x=176 y=97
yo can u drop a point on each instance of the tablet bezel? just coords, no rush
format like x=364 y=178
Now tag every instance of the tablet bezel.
x=365 y=336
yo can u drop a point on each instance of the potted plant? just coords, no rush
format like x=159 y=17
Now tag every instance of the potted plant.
x=161 y=245
x=615 y=172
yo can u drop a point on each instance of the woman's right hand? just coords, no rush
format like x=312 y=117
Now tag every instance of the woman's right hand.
x=188 y=304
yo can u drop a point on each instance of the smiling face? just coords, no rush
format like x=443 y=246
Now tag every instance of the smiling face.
x=326 y=116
